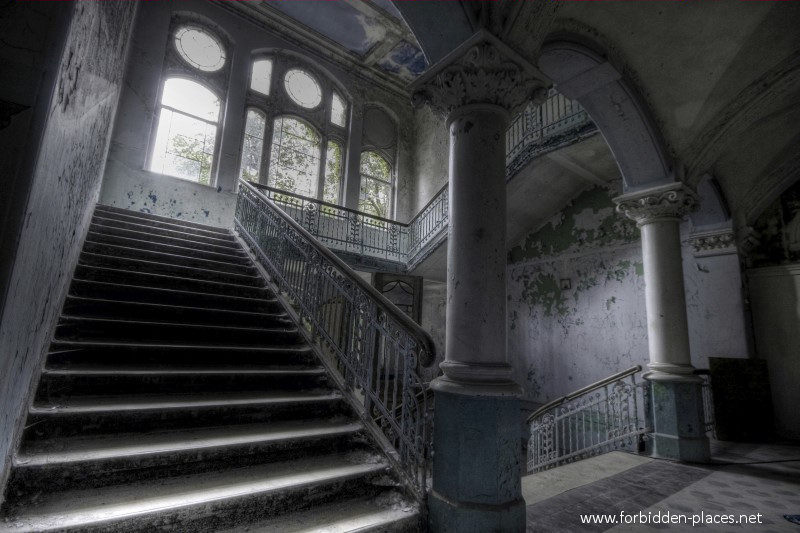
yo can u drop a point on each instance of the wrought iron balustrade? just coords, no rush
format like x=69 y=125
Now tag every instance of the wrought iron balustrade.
x=708 y=401
x=612 y=414
x=351 y=231
x=375 y=346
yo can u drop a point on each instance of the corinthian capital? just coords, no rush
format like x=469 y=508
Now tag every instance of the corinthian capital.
x=671 y=201
x=482 y=70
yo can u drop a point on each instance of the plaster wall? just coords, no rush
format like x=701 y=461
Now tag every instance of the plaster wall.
x=64 y=184
x=576 y=304
x=432 y=320
x=431 y=156
x=775 y=303
x=128 y=185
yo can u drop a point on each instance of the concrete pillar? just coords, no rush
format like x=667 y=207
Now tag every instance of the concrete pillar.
x=679 y=428
x=477 y=454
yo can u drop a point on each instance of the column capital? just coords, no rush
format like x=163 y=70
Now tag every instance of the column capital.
x=482 y=70
x=666 y=202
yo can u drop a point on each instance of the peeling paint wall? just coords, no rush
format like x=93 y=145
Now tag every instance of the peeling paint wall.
x=64 y=185
x=434 y=307
x=576 y=303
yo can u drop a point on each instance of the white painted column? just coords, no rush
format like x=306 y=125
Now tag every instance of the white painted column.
x=677 y=396
x=477 y=461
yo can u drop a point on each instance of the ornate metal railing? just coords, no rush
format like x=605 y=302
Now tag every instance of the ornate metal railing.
x=708 y=400
x=343 y=229
x=612 y=414
x=374 y=345
x=429 y=226
x=538 y=129
x=557 y=122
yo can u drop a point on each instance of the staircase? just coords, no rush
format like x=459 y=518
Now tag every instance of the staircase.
x=177 y=395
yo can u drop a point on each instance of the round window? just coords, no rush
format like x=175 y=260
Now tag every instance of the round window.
x=199 y=48
x=302 y=88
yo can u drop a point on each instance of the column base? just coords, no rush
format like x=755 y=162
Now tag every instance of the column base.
x=476 y=464
x=678 y=422
x=454 y=517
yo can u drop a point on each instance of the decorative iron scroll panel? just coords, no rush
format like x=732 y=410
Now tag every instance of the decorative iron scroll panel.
x=375 y=353
x=615 y=416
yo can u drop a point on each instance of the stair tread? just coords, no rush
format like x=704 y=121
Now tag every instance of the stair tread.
x=141 y=235
x=161 y=402
x=145 y=262
x=82 y=449
x=300 y=348
x=102 y=219
x=168 y=255
x=173 y=249
x=183 y=292
x=72 y=319
x=149 y=217
x=350 y=516
x=86 y=507
x=216 y=371
x=150 y=305
x=172 y=278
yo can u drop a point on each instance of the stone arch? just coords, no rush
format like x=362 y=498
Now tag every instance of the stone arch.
x=582 y=73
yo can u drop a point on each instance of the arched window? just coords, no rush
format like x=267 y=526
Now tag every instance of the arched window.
x=187 y=130
x=190 y=106
x=376 y=185
x=302 y=118
x=294 y=157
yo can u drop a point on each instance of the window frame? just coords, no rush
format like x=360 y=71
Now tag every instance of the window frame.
x=280 y=104
x=390 y=208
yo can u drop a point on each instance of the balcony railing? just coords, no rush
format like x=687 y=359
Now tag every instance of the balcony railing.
x=375 y=346
x=536 y=130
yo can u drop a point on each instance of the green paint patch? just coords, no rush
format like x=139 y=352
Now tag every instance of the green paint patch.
x=638 y=267
x=589 y=220
x=611 y=301
x=543 y=289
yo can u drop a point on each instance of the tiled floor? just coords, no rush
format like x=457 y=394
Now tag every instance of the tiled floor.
x=744 y=479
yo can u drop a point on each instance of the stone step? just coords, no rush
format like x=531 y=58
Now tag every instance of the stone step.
x=387 y=512
x=116 y=309
x=170 y=269
x=260 y=301
x=99 y=461
x=166 y=281
x=147 y=243
x=158 y=221
x=58 y=385
x=101 y=329
x=109 y=414
x=169 y=257
x=179 y=240
x=121 y=227
x=203 y=502
x=155 y=356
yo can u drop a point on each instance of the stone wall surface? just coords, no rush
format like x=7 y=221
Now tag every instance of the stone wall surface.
x=64 y=186
x=431 y=156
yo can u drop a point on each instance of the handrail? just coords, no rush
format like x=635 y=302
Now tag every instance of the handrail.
x=417 y=333
x=324 y=203
x=430 y=203
x=588 y=388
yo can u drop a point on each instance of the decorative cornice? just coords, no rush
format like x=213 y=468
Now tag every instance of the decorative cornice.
x=482 y=70
x=667 y=202
x=715 y=242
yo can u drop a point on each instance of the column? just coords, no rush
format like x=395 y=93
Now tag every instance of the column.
x=477 y=453
x=679 y=429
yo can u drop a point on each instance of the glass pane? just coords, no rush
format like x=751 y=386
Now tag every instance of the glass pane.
x=294 y=157
x=184 y=147
x=261 y=76
x=253 y=145
x=302 y=88
x=375 y=197
x=199 y=48
x=375 y=166
x=338 y=109
x=333 y=172
x=191 y=98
